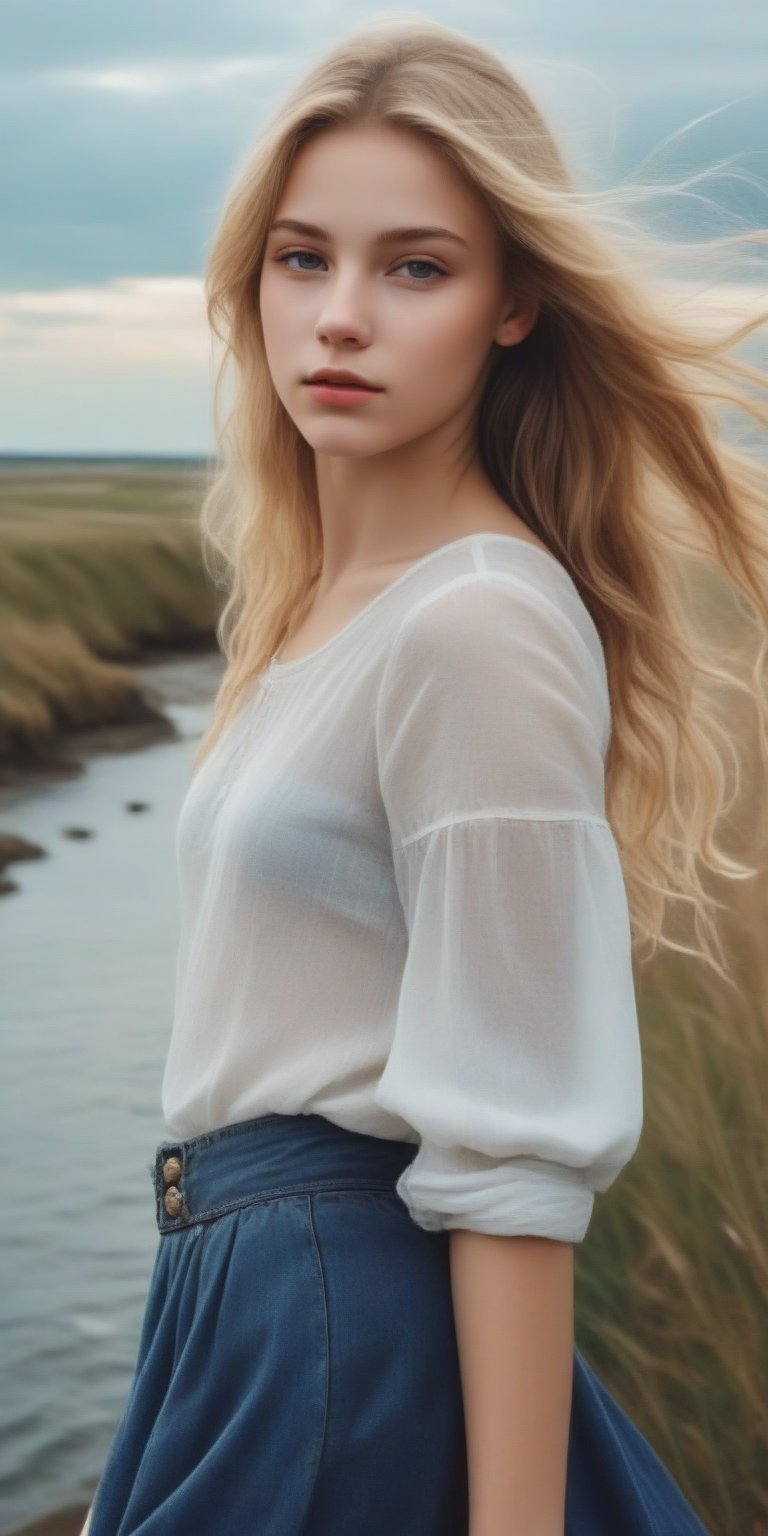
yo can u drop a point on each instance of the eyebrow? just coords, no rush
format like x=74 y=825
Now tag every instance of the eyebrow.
x=385 y=236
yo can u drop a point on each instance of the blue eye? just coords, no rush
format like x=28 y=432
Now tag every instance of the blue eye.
x=421 y=261
x=288 y=254
x=415 y=261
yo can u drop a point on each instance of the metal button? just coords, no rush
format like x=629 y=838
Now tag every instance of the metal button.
x=171 y=1170
x=173 y=1200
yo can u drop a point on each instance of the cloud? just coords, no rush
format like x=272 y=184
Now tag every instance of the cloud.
x=128 y=365
x=169 y=78
x=157 y=321
x=126 y=124
x=125 y=366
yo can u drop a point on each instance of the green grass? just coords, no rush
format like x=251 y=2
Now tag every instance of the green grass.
x=96 y=563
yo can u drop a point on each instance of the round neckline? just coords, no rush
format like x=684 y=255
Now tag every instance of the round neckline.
x=277 y=668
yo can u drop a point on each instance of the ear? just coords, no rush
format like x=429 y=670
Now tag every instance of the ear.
x=517 y=322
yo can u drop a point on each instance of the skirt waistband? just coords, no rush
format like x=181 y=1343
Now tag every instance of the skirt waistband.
x=205 y=1176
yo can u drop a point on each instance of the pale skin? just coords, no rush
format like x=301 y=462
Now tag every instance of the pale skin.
x=397 y=477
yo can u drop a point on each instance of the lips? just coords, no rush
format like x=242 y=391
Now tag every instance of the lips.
x=341 y=381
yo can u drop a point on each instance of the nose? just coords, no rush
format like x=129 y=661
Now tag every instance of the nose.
x=343 y=315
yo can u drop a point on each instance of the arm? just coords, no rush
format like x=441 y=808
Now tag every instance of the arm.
x=516 y=1050
x=513 y=1308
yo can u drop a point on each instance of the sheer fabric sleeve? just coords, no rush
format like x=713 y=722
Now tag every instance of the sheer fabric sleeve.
x=516 y=1054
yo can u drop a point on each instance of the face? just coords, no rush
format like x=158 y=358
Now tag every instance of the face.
x=415 y=316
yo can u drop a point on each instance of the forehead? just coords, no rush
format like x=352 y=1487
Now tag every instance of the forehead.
x=367 y=178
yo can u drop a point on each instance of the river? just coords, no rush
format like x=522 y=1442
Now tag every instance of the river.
x=87 y=947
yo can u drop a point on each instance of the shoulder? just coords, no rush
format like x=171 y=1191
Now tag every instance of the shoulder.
x=524 y=636
x=491 y=698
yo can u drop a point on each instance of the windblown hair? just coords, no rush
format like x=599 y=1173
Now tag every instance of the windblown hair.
x=596 y=431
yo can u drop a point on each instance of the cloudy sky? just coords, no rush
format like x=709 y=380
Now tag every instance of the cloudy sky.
x=123 y=126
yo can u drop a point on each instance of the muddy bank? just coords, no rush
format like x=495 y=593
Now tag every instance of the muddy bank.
x=12 y=850
x=163 y=673
x=136 y=719
x=60 y=756
x=63 y=1522
x=101 y=571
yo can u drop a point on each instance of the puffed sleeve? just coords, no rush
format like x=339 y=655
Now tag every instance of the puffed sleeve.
x=516 y=1054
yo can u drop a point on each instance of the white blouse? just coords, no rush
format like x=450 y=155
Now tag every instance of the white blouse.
x=401 y=902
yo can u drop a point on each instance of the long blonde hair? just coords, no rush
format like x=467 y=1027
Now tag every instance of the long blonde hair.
x=601 y=440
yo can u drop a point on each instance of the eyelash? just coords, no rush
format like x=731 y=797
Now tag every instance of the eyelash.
x=422 y=261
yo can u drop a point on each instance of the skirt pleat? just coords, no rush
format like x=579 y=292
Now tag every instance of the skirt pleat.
x=298 y=1371
x=615 y=1480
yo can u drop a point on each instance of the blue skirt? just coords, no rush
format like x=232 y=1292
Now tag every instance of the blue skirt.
x=298 y=1371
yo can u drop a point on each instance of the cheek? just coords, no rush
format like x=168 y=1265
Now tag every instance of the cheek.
x=280 y=314
x=446 y=340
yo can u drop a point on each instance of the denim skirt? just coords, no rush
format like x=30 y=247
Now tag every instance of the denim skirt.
x=298 y=1371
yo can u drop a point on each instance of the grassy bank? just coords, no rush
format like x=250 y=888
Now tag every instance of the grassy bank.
x=671 y=1285
x=97 y=563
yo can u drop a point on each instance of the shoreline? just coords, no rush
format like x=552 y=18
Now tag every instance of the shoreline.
x=65 y=754
x=69 y=758
x=66 y=1521
x=141 y=721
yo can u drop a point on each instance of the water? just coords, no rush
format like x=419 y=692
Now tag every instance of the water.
x=87 y=949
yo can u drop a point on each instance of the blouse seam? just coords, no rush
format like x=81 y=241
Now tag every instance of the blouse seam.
x=485 y=574
x=501 y=815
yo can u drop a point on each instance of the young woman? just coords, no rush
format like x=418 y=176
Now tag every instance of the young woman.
x=405 y=1052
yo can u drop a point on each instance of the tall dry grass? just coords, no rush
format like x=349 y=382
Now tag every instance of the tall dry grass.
x=672 y=1285
x=95 y=564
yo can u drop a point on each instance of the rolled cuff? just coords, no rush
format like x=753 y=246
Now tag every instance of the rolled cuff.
x=518 y=1196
